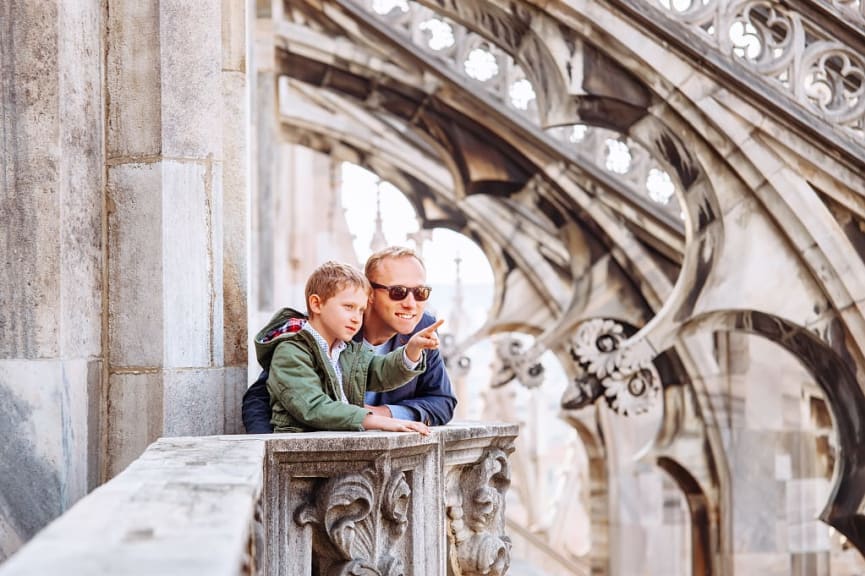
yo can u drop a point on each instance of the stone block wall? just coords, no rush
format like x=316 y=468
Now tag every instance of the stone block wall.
x=51 y=325
x=124 y=208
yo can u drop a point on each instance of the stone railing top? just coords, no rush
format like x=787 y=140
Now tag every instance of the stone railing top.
x=453 y=433
x=191 y=505
x=183 y=507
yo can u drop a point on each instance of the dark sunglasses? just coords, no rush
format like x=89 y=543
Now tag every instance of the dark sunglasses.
x=397 y=293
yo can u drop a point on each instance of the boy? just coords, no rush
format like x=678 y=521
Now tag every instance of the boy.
x=318 y=375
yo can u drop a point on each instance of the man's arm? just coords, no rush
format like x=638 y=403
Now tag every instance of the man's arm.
x=255 y=407
x=429 y=398
x=433 y=397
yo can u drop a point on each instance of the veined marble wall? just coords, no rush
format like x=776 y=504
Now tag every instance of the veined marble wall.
x=51 y=248
x=124 y=240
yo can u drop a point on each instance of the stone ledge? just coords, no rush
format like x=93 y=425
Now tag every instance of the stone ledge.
x=184 y=507
x=230 y=504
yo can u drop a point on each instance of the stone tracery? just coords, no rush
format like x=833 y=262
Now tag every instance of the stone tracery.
x=818 y=71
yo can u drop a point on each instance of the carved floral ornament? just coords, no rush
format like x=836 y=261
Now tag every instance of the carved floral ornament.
x=512 y=361
x=630 y=384
x=358 y=520
x=824 y=75
x=475 y=506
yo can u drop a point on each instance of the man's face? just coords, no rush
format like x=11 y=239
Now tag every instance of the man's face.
x=396 y=316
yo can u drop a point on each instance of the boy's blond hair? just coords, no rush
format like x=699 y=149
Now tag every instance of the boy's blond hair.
x=390 y=252
x=331 y=277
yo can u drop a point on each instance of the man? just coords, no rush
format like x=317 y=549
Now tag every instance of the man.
x=394 y=314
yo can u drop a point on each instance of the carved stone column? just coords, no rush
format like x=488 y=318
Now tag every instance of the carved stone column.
x=476 y=480
x=361 y=504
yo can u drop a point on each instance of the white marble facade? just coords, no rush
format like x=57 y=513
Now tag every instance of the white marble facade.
x=169 y=179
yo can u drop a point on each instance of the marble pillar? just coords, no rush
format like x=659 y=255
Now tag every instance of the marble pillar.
x=176 y=185
x=51 y=231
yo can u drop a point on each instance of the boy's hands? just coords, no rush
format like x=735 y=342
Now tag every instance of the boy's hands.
x=426 y=339
x=376 y=422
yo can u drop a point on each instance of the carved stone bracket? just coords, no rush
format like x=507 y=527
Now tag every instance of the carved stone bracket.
x=358 y=520
x=624 y=376
x=513 y=362
x=475 y=506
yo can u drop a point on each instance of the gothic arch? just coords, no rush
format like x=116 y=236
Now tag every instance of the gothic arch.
x=702 y=554
x=835 y=372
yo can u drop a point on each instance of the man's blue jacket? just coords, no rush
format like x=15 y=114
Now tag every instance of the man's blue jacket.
x=430 y=394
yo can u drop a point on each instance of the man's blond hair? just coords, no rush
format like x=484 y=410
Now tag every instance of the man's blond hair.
x=331 y=277
x=390 y=252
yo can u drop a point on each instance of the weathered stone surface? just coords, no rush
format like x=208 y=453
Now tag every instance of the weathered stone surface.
x=48 y=444
x=166 y=312
x=135 y=419
x=186 y=507
x=191 y=197
x=235 y=385
x=51 y=156
x=51 y=253
x=194 y=402
x=235 y=215
x=292 y=504
x=133 y=72
x=190 y=37
x=135 y=287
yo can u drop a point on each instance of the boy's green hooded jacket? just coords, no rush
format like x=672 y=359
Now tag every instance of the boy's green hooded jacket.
x=304 y=392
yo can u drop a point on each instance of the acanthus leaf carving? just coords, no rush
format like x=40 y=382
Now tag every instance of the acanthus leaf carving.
x=357 y=520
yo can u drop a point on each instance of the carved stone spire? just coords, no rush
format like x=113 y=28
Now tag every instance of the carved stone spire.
x=458 y=307
x=378 y=241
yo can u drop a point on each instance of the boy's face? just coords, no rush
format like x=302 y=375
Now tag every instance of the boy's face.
x=340 y=316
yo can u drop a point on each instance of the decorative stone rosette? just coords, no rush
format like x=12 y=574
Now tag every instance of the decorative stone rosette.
x=358 y=520
x=475 y=507
x=626 y=379
x=512 y=361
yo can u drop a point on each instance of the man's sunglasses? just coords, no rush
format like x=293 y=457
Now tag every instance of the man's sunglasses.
x=397 y=293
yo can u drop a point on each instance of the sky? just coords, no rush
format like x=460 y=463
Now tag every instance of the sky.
x=399 y=220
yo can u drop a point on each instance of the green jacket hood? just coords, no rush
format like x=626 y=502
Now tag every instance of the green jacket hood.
x=281 y=326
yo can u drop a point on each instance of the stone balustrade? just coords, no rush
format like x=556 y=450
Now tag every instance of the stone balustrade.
x=300 y=504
